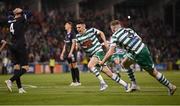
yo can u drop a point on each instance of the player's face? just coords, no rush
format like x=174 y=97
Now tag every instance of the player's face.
x=113 y=28
x=67 y=26
x=17 y=12
x=80 y=28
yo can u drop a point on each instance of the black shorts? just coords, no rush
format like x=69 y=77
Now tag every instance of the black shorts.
x=72 y=59
x=19 y=55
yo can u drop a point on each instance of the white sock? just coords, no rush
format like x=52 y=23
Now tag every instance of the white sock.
x=101 y=79
x=158 y=76
x=96 y=72
x=116 y=78
x=161 y=78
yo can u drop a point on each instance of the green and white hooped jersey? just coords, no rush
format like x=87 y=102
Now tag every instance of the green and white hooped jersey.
x=89 y=41
x=128 y=40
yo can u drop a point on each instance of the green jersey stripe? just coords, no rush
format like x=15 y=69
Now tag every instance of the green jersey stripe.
x=140 y=48
x=121 y=29
x=135 y=46
x=122 y=36
x=95 y=46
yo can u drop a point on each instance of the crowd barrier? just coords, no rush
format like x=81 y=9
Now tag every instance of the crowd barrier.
x=43 y=68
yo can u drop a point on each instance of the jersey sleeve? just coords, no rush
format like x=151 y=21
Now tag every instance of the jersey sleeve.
x=96 y=30
x=113 y=41
x=73 y=36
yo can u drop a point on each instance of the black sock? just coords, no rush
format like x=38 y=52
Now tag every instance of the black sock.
x=118 y=75
x=14 y=77
x=77 y=74
x=73 y=75
x=131 y=75
x=17 y=74
x=18 y=82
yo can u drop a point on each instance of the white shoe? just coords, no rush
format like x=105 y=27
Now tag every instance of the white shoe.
x=78 y=84
x=9 y=85
x=103 y=86
x=135 y=87
x=128 y=88
x=72 y=84
x=21 y=90
x=171 y=90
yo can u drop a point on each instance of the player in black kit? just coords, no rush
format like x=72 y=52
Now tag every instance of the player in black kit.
x=69 y=53
x=18 y=48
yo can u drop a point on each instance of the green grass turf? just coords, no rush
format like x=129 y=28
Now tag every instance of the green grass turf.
x=54 y=89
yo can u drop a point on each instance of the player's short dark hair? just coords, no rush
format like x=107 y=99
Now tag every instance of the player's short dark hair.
x=80 y=22
x=70 y=23
x=115 y=22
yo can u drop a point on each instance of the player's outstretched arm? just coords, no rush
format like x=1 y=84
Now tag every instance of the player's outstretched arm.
x=108 y=54
x=104 y=39
x=62 y=53
x=73 y=47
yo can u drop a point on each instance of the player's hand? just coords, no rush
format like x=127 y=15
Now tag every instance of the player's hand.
x=101 y=63
x=69 y=55
x=62 y=57
x=3 y=42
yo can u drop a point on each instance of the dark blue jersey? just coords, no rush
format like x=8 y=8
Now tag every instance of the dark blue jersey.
x=69 y=39
x=17 y=29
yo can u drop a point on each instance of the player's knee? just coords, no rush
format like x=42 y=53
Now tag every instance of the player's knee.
x=17 y=67
x=25 y=67
x=107 y=71
x=89 y=66
x=153 y=72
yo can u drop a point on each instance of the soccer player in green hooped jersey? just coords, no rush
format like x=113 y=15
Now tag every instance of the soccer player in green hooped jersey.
x=88 y=41
x=132 y=43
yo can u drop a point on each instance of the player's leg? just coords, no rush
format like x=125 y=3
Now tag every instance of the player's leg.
x=161 y=78
x=76 y=70
x=18 y=80
x=91 y=65
x=126 y=63
x=73 y=83
x=75 y=67
x=74 y=73
x=117 y=66
x=144 y=59
x=13 y=78
x=116 y=78
x=16 y=68
x=23 y=60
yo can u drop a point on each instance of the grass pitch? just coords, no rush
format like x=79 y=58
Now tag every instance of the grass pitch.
x=54 y=89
